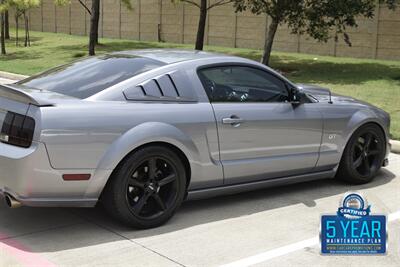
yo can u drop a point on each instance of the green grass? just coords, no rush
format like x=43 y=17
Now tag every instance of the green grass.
x=374 y=81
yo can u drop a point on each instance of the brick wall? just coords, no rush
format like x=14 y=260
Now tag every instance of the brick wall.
x=374 y=38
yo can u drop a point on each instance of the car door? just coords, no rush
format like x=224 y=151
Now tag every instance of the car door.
x=261 y=134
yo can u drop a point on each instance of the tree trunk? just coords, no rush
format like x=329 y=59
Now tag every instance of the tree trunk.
x=269 y=40
x=202 y=25
x=98 y=18
x=7 y=26
x=28 y=35
x=26 y=29
x=2 y=34
x=94 y=26
x=16 y=28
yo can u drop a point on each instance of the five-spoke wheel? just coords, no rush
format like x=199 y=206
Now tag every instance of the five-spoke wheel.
x=152 y=187
x=366 y=152
x=363 y=155
x=147 y=187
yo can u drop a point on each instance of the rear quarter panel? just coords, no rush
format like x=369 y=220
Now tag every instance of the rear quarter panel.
x=98 y=135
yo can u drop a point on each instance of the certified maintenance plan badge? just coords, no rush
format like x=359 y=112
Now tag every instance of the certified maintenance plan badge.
x=353 y=230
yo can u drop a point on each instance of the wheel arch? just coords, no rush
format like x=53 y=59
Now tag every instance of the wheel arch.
x=363 y=124
x=346 y=172
x=175 y=149
x=172 y=147
x=359 y=126
x=144 y=135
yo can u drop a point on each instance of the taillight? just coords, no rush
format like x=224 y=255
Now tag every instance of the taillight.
x=17 y=130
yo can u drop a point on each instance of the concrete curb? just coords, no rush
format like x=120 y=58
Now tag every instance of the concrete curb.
x=11 y=76
x=395 y=146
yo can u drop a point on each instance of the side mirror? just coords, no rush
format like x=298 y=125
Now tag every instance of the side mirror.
x=295 y=96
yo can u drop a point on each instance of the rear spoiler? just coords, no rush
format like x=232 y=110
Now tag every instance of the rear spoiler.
x=22 y=94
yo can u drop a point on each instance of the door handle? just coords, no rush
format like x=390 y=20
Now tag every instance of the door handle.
x=233 y=120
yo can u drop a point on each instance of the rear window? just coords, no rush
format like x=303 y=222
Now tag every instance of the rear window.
x=90 y=76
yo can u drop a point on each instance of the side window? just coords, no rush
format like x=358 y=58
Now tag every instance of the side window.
x=242 y=84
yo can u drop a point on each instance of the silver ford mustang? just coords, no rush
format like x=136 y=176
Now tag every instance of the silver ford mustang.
x=141 y=131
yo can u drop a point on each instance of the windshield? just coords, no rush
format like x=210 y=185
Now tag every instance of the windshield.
x=90 y=76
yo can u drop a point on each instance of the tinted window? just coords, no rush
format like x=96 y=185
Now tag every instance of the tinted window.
x=242 y=84
x=90 y=76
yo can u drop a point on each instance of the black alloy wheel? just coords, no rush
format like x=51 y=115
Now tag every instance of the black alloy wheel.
x=146 y=188
x=152 y=188
x=363 y=156
x=366 y=154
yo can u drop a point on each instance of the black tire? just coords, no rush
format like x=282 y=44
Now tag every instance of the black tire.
x=142 y=192
x=363 y=155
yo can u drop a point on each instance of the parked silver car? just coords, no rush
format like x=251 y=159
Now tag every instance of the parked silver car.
x=141 y=131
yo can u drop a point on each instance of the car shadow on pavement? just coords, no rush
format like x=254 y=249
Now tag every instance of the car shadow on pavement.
x=57 y=229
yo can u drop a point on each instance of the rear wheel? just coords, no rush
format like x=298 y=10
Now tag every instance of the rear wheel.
x=363 y=155
x=147 y=188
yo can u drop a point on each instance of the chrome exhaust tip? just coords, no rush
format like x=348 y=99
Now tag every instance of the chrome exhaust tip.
x=11 y=202
x=385 y=162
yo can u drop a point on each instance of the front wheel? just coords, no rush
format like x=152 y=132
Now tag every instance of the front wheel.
x=146 y=188
x=363 y=155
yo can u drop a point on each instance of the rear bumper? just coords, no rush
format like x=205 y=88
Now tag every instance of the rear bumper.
x=26 y=174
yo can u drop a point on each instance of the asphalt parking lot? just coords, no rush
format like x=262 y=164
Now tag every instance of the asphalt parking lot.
x=270 y=227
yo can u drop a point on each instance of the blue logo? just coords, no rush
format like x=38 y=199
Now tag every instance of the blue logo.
x=353 y=230
x=353 y=207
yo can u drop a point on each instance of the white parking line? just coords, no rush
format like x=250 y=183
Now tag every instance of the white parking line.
x=268 y=255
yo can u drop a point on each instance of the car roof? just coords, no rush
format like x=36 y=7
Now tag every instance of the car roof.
x=170 y=56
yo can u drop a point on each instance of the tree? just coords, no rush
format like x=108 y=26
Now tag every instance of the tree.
x=21 y=8
x=17 y=15
x=94 y=24
x=317 y=18
x=204 y=7
x=2 y=26
x=6 y=25
x=86 y=8
x=94 y=27
x=94 y=13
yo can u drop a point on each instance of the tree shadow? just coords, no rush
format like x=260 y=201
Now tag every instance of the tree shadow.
x=311 y=70
x=336 y=72
x=116 y=46
x=308 y=71
x=21 y=39
x=20 y=55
